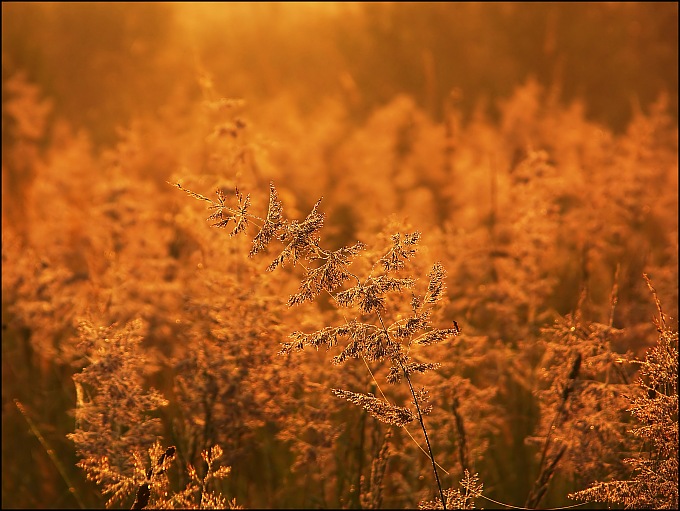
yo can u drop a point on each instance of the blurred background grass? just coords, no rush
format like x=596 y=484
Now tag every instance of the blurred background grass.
x=103 y=62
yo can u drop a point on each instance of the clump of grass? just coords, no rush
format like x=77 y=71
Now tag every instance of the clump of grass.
x=455 y=499
x=654 y=479
x=370 y=335
x=114 y=413
x=150 y=484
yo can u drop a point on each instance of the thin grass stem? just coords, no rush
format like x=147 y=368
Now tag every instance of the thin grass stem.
x=50 y=453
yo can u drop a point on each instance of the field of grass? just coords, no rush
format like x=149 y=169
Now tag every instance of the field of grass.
x=224 y=288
